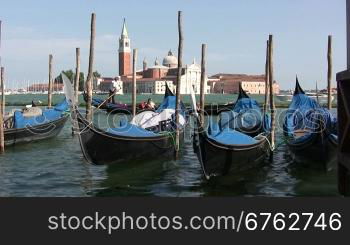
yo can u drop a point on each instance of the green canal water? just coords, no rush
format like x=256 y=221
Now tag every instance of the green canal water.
x=19 y=100
x=56 y=167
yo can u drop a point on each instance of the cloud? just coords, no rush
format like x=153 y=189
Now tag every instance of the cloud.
x=26 y=58
x=34 y=49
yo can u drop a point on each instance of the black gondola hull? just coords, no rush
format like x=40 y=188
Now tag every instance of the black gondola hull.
x=318 y=148
x=31 y=134
x=220 y=160
x=100 y=147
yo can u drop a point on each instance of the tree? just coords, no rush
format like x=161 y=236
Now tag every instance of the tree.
x=96 y=74
x=81 y=81
x=69 y=73
x=71 y=76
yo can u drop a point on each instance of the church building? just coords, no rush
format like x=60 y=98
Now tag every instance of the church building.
x=151 y=80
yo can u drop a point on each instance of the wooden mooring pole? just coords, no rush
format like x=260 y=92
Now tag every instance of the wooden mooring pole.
x=2 y=112
x=343 y=81
x=203 y=81
x=272 y=102
x=178 y=86
x=3 y=81
x=77 y=75
x=90 y=73
x=0 y=41
x=134 y=64
x=49 y=91
x=267 y=88
x=329 y=72
x=76 y=92
x=2 y=75
x=2 y=109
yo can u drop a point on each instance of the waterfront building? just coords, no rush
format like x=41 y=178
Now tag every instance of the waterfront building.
x=44 y=87
x=229 y=83
x=104 y=84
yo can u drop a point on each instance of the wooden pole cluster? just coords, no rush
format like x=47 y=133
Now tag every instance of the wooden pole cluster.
x=178 y=85
x=272 y=102
x=2 y=112
x=134 y=63
x=49 y=93
x=329 y=72
x=202 y=86
x=77 y=75
x=267 y=88
x=90 y=73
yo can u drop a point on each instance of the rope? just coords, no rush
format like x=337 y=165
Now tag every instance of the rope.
x=171 y=134
x=97 y=108
x=268 y=141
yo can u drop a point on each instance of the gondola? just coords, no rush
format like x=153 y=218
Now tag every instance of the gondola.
x=245 y=115
x=113 y=108
x=116 y=109
x=310 y=130
x=105 y=105
x=224 y=148
x=34 y=124
x=149 y=135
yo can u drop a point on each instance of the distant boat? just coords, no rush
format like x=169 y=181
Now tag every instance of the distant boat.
x=103 y=104
x=310 y=130
x=322 y=97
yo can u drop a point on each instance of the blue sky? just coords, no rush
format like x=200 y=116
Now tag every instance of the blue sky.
x=235 y=32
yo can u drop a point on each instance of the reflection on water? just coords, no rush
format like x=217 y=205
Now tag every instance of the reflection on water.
x=56 y=168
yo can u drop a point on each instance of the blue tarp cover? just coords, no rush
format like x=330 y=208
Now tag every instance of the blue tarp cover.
x=244 y=104
x=96 y=102
x=63 y=106
x=48 y=115
x=305 y=113
x=169 y=103
x=229 y=136
x=131 y=130
x=246 y=112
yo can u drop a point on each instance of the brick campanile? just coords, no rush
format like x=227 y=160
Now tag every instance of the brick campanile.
x=124 y=52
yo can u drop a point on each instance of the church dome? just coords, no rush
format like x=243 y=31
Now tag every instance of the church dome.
x=170 y=60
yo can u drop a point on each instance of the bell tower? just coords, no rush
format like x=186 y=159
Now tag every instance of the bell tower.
x=124 y=52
